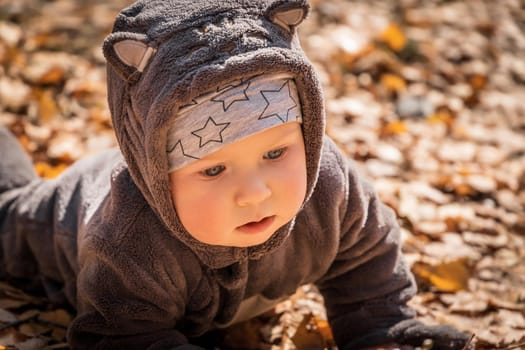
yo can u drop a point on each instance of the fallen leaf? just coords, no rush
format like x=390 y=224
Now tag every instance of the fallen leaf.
x=6 y=316
x=394 y=37
x=32 y=344
x=442 y=116
x=481 y=183
x=10 y=33
x=47 y=107
x=14 y=94
x=6 y=303
x=449 y=276
x=47 y=68
x=307 y=335
x=48 y=171
x=10 y=338
x=393 y=128
x=393 y=82
x=59 y=317
x=33 y=329
x=465 y=302
x=66 y=147
x=326 y=332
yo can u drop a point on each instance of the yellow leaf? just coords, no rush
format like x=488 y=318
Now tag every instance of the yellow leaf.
x=48 y=171
x=444 y=117
x=394 y=37
x=451 y=276
x=307 y=335
x=46 y=105
x=393 y=82
x=325 y=330
x=394 y=128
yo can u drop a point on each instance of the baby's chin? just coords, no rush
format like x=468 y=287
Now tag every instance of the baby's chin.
x=238 y=239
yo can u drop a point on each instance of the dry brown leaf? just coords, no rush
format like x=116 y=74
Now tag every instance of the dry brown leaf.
x=6 y=316
x=481 y=183
x=430 y=228
x=10 y=33
x=32 y=344
x=59 y=317
x=33 y=329
x=59 y=334
x=48 y=68
x=465 y=302
x=14 y=94
x=66 y=147
x=11 y=337
x=8 y=303
x=47 y=107
x=478 y=81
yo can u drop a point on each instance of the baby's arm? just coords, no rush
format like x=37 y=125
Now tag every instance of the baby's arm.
x=108 y=321
x=124 y=304
x=137 y=287
x=368 y=285
x=37 y=222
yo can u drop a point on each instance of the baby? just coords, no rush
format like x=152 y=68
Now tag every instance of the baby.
x=225 y=195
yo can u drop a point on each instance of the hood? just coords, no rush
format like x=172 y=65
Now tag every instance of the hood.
x=163 y=53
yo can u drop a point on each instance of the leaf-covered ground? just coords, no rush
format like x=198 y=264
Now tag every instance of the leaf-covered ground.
x=426 y=96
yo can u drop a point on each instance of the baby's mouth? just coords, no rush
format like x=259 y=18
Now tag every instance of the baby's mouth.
x=257 y=226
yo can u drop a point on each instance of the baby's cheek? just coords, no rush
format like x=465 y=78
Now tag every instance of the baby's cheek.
x=292 y=191
x=204 y=216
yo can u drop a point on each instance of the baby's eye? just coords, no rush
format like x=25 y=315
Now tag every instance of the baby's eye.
x=213 y=171
x=275 y=154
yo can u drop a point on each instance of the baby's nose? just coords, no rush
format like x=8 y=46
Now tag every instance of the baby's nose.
x=253 y=190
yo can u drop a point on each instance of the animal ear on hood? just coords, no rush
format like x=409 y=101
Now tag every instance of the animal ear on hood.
x=288 y=14
x=128 y=53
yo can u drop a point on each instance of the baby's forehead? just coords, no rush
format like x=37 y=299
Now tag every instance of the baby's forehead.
x=252 y=147
x=230 y=112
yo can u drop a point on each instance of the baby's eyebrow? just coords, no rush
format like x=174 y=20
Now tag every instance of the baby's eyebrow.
x=286 y=134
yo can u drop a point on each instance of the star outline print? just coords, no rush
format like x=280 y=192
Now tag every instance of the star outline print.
x=268 y=103
x=192 y=103
x=226 y=102
x=179 y=145
x=231 y=85
x=215 y=131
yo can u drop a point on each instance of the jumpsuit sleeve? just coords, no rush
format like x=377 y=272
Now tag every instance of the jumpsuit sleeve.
x=121 y=303
x=126 y=304
x=368 y=284
x=40 y=218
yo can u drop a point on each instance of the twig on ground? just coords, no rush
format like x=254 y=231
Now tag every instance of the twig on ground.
x=469 y=342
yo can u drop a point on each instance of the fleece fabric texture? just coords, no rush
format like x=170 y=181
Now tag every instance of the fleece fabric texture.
x=105 y=235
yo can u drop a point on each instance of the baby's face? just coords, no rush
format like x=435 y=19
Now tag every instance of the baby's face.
x=241 y=194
